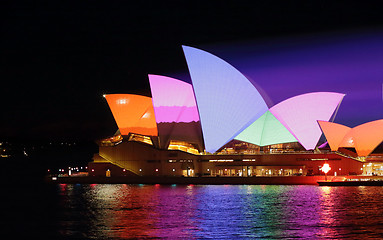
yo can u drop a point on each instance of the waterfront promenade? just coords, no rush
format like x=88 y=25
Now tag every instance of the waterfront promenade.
x=288 y=180
x=261 y=180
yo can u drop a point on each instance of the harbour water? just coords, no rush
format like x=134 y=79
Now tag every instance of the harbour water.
x=121 y=211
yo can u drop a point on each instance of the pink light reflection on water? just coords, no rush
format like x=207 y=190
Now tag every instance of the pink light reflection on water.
x=123 y=211
x=151 y=211
x=351 y=212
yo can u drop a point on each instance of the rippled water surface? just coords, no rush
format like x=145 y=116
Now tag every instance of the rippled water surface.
x=104 y=211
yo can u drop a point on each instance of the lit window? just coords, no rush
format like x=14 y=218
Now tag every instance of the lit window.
x=183 y=146
x=141 y=138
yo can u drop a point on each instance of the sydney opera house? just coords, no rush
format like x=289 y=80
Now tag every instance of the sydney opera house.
x=220 y=125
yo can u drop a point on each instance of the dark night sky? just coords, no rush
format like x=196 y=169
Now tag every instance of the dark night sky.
x=59 y=57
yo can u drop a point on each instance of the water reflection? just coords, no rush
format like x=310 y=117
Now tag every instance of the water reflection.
x=105 y=211
x=351 y=212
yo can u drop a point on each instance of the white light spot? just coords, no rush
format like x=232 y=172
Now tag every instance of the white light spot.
x=122 y=101
x=146 y=115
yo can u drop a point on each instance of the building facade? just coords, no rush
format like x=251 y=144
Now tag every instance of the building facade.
x=133 y=158
x=219 y=125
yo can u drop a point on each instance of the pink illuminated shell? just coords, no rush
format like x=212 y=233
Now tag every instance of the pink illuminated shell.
x=176 y=111
x=300 y=114
x=173 y=100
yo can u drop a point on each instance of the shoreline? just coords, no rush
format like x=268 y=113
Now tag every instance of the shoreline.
x=259 y=180
x=283 y=180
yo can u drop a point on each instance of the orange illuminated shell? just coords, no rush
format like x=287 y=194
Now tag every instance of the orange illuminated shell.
x=133 y=113
x=364 y=138
x=334 y=133
x=367 y=137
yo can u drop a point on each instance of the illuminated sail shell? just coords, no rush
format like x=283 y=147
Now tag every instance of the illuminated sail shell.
x=367 y=137
x=175 y=110
x=133 y=113
x=300 y=114
x=227 y=101
x=334 y=133
x=266 y=130
x=364 y=138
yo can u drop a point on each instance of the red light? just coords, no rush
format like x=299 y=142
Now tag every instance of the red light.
x=156 y=169
x=326 y=168
x=92 y=170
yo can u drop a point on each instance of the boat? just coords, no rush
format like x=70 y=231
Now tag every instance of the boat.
x=353 y=182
